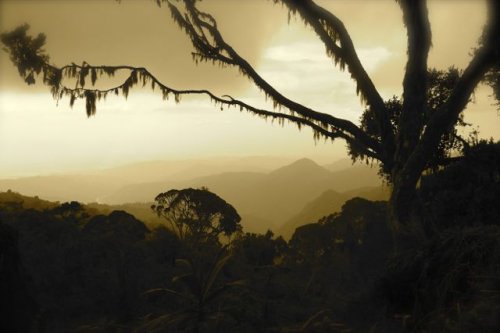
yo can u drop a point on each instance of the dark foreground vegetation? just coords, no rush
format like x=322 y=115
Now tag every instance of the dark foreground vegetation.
x=68 y=268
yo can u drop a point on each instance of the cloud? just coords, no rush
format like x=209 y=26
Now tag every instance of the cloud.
x=138 y=33
x=302 y=70
x=35 y=134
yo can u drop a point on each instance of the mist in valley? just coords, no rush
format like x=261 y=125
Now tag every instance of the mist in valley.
x=270 y=193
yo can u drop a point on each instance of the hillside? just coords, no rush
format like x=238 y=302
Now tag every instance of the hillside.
x=327 y=203
x=265 y=200
x=10 y=198
x=94 y=185
x=82 y=188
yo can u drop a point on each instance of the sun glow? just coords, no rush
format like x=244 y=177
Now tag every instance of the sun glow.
x=36 y=135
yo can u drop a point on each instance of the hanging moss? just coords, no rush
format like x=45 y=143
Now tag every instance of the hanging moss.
x=90 y=103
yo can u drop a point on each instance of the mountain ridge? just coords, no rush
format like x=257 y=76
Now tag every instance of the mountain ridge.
x=274 y=197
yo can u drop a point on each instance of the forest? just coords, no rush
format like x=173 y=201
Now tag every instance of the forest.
x=425 y=260
x=69 y=268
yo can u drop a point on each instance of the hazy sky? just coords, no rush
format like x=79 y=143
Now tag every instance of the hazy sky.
x=38 y=136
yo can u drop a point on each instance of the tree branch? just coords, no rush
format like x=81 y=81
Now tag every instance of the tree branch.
x=142 y=75
x=214 y=48
x=210 y=45
x=485 y=58
x=415 y=82
x=339 y=46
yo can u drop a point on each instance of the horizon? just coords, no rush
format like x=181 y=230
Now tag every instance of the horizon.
x=40 y=136
x=270 y=163
x=266 y=198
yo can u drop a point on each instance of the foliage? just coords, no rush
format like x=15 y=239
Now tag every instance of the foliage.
x=441 y=84
x=447 y=284
x=197 y=213
x=26 y=53
x=18 y=306
x=259 y=250
x=201 y=294
x=71 y=210
x=466 y=192
x=108 y=272
x=83 y=268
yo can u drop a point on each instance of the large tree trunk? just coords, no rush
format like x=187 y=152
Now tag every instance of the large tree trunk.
x=402 y=209
x=405 y=176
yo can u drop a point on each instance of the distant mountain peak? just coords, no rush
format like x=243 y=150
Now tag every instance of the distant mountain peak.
x=305 y=161
x=301 y=166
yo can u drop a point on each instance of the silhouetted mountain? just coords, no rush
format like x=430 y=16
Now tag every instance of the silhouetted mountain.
x=327 y=203
x=141 y=210
x=157 y=171
x=143 y=192
x=339 y=165
x=93 y=185
x=83 y=188
x=377 y=193
x=299 y=168
x=284 y=191
x=264 y=200
x=356 y=176
x=281 y=194
x=11 y=198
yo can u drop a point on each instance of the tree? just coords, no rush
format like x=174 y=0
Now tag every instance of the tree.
x=404 y=145
x=441 y=84
x=197 y=213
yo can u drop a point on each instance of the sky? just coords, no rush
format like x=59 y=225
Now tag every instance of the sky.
x=39 y=136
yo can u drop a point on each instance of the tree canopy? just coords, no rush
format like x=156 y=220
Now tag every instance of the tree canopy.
x=197 y=212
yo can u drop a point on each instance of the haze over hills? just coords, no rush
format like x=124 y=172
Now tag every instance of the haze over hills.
x=153 y=171
x=92 y=185
x=83 y=188
x=327 y=203
x=265 y=196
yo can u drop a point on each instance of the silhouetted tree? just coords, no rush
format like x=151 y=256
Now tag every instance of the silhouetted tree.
x=197 y=213
x=72 y=211
x=404 y=147
x=441 y=84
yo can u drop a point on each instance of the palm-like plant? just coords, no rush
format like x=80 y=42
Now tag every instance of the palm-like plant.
x=201 y=293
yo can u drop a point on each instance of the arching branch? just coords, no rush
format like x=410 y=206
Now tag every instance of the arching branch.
x=211 y=46
x=339 y=46
x=21 y=47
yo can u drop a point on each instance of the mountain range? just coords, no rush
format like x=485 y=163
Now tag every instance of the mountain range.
x=267 y=197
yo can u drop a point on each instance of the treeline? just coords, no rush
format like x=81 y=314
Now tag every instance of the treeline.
x=68 y=268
